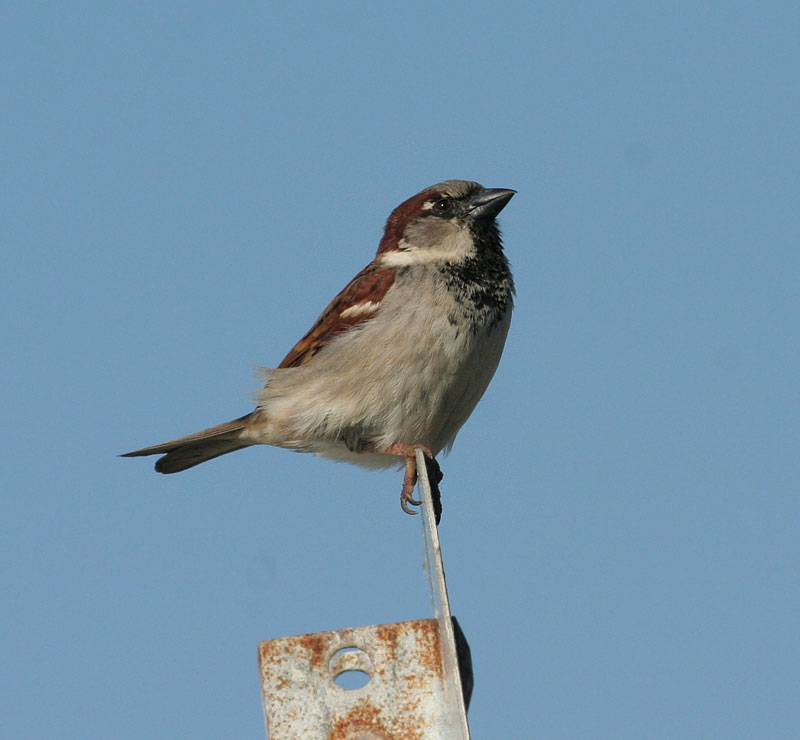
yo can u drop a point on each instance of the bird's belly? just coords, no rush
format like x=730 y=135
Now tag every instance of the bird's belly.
x=411 y=383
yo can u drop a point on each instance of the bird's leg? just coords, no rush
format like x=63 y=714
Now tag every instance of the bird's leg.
x=409 y=452
x=409 y=482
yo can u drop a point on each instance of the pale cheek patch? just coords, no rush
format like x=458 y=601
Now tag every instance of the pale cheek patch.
x=405 y=257
x=360 y=309
x=451 y=246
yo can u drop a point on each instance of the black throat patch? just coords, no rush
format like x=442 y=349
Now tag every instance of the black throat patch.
x=482 y=285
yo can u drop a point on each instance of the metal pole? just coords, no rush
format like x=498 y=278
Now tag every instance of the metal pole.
x=413 y=670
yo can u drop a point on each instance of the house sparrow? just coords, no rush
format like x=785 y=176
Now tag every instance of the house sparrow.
x=399 y=359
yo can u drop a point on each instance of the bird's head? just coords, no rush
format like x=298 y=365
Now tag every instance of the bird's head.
x=447 y=222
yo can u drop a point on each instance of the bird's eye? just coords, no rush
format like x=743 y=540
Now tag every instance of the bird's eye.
x=442 y=207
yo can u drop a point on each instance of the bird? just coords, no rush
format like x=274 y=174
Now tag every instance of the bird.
x=399 y=359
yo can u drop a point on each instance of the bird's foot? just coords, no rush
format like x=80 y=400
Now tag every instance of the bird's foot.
x=409 y=452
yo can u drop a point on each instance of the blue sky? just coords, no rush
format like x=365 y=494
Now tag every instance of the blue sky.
x=186 y=185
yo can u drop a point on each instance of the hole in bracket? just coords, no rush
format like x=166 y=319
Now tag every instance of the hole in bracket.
x=352 y=680
x=351 y=668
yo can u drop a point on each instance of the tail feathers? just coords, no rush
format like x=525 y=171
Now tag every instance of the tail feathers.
x=193 y=449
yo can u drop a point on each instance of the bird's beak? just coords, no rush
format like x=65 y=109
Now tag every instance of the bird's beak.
x=488 y=202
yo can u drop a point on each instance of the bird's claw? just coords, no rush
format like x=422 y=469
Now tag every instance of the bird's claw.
x=406 y=502
x=409 y=481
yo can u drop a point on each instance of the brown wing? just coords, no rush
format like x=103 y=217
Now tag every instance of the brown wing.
x=357 y=303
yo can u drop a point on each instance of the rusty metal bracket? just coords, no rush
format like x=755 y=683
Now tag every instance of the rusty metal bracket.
x=413 y=671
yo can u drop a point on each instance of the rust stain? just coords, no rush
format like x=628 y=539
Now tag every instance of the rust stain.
x=315 y=645
x=365 y=719
x=432 y=656
x=388 y=633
